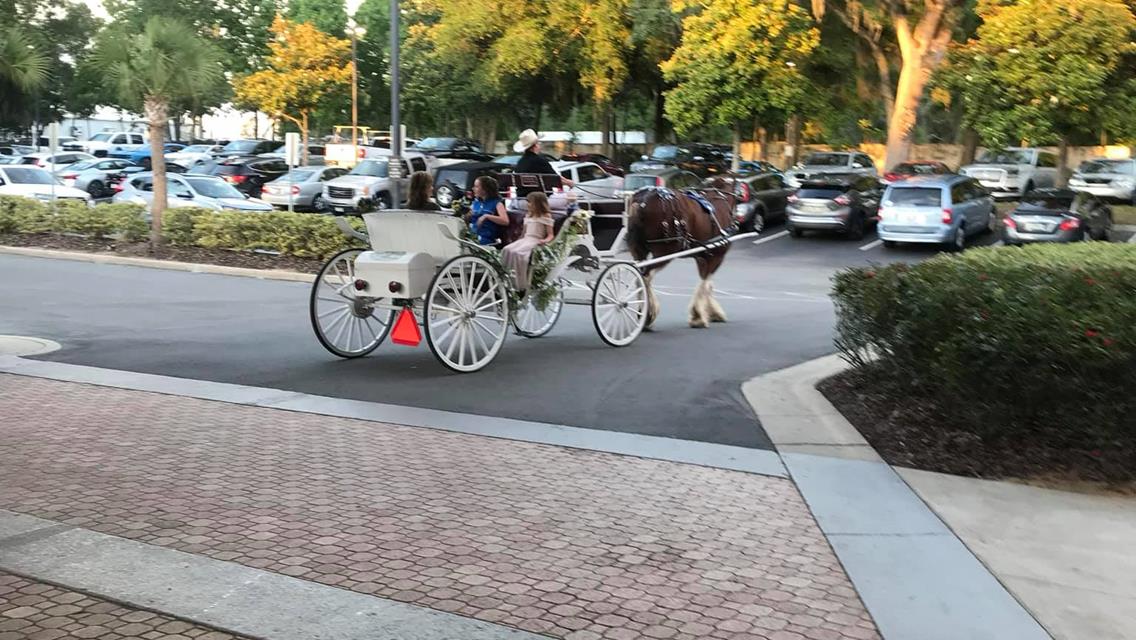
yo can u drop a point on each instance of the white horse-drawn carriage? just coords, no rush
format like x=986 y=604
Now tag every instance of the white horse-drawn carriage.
x=424 y=270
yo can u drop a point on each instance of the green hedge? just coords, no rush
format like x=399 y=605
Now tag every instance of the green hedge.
x=302 y=235
x=27 y=215
x=1042 y=337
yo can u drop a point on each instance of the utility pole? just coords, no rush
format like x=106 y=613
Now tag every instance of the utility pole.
x=396 y=124
x=354 y=29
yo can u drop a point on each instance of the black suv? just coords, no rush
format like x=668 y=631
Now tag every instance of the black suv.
x=248 y=175
x=762 y=198
x=846 y=204
x=700 y=159
x=455 y=181
x=458 y=148
x=248 y=147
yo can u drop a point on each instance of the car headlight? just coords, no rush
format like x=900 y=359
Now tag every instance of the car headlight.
x=365 y=191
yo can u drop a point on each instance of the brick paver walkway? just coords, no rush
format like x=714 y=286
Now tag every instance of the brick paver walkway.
x=32 y=610
x=569 y=543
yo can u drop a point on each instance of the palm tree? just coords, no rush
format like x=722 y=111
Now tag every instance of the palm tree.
x=167 y=61
x=21 y=64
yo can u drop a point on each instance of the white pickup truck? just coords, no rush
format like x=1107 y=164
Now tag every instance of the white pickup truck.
x=101 y=144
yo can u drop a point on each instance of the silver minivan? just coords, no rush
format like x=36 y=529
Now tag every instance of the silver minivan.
x=935 y=209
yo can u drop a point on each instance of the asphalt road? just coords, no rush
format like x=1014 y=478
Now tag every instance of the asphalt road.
x=675 y=382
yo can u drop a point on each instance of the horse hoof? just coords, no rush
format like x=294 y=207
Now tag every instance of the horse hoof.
x=718 y=319
x=699 y=324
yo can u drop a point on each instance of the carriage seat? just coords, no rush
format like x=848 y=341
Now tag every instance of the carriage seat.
x=518 y=208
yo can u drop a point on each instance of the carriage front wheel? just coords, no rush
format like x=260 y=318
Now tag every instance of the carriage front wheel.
x=346 y=324
x=619 y=304
x=532 y=322
x=466 y=314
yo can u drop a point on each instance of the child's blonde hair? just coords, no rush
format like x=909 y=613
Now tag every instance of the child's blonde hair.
x=538 y=205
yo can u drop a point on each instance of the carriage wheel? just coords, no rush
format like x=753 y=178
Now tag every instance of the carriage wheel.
x=466 y=314
x=619 y=304
x=347 y=325
x=531 y=322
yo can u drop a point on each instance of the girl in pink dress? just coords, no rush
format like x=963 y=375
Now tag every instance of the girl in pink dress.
x=538 y=231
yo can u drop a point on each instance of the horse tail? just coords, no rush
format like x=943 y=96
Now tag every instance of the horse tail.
x=636 y=227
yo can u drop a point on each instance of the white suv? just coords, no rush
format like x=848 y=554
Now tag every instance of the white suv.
x=1014 y=171
x=101 y=144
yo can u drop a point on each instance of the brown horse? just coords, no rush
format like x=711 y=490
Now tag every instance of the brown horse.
x=662 y=222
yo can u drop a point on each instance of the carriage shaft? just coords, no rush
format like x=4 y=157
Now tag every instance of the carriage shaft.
x=717 y=244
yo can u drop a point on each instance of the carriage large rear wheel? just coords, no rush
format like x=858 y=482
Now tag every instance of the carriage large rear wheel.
x=466 y=314
x=619 y=304
x=345 y=324
x=531 y=322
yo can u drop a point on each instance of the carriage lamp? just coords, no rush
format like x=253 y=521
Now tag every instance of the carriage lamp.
x=394 y=286
x=360 y=285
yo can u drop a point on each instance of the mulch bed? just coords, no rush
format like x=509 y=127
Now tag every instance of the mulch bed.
x=224 y=257
x=908 y=428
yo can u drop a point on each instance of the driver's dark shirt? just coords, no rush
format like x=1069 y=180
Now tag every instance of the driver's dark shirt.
x=533 y=163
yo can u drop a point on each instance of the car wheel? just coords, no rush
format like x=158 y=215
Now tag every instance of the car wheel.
x=318 y=205
x=1104 y=232
x=958 y=241
x=384 y=201
x=794 y=232
x=96 y=189
x=444 y=196
x=1029 y=187
x=757 y=223
x=856 y=227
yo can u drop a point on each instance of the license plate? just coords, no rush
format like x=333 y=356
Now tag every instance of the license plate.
x=339 y=209
x=910 y=217
x=1035 y=227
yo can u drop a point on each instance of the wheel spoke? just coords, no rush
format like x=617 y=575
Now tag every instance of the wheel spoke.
x=339 y=333
x=344 y=309
x=481 y=341
x=486 y=316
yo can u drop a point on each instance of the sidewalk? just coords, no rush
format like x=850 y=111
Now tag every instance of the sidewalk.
x=560 y=542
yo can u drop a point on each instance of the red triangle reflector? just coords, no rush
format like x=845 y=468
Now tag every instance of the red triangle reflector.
x=405 y=331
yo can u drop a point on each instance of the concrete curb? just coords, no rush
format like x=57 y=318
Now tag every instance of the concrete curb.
x=916 y=578
x=153 y=263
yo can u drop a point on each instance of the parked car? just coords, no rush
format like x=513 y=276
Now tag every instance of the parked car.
x=190 y=190
x=33 y=182
x=316 y=154
x=101 y=144
x=591 y=181
x=141 y=155
x=383 y=141
x=93 y=176
x=511 y=159
x=1014 y=171
x=16 y=150
x=302 y=186
x=748 y=167
x=55 y=162
x=10 y=159
x=1057 y=215
x=819 y=164
x=453 y=148
x=846 y=204
x=905 y=170
x=246 y=147
x=368 y=185
x=1107 y=178
x=762 y=198
x=936 y=209
x=249 y=175
x=455 y=181
x=701 y=159
x=193 y=153
x=667 y=177
x=605 y=163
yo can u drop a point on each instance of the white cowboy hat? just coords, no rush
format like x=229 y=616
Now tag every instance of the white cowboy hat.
x=527 y=139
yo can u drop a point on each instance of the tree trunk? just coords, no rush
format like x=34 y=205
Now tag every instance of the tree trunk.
x=969 y=146
x=763 y=134
x=660 y=117
x=883 y=70
x=922 y=49
x=792 y=140
x=304 y=138
x=157 y=113
x=177 y=128
x=1062 y=162
x=736 y=163
x=605 y=122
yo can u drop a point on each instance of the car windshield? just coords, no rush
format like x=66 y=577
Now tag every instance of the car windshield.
x=28 y=175
x=821 y=193
x=1127 y=167
x=241 y=146
x=507 y=159
x=638 y=182
x=196 y=148
x=101 y=137
x=298 y=175
x=371 y=168
x=826 y=160
x=82 y=165
x=664 y=152
x=433 y=144
x=456 y=177
x=213 y=188
x=1053 y=202
x=1005 y=156
x=914 y=197
x=910 y=168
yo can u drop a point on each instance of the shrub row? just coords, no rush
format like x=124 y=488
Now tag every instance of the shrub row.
x=298 y=234
x=1039 y=339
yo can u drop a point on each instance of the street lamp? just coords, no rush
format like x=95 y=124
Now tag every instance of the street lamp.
x=356 y=32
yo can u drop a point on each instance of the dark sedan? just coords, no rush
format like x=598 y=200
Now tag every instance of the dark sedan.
x=843 y=204
x=249 y=175
x=762 y=198
x=457 y=148
x=605 y=163
x=1057 y=215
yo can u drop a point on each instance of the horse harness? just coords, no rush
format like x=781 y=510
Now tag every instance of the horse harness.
x=676 y=224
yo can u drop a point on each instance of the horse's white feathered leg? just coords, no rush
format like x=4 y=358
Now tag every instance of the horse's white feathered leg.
x=699 y=313
x=717 y=313
x=652 y=301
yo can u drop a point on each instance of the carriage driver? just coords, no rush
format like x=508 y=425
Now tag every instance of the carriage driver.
x=528 y=144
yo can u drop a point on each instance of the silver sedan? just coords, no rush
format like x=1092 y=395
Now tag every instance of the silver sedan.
x=302 y=186
x=93 y=176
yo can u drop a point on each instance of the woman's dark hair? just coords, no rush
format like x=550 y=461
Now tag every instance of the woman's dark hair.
x=420 y=185
x=489 y=186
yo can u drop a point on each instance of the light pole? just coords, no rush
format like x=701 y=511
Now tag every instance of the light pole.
x=396 y=124
x=356 y=32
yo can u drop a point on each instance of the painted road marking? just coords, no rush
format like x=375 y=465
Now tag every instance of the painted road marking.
x=1132 y=238
x=779 y=234
x=871 y=245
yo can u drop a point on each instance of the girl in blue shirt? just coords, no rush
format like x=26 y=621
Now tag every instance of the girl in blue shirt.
x=488 y=218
